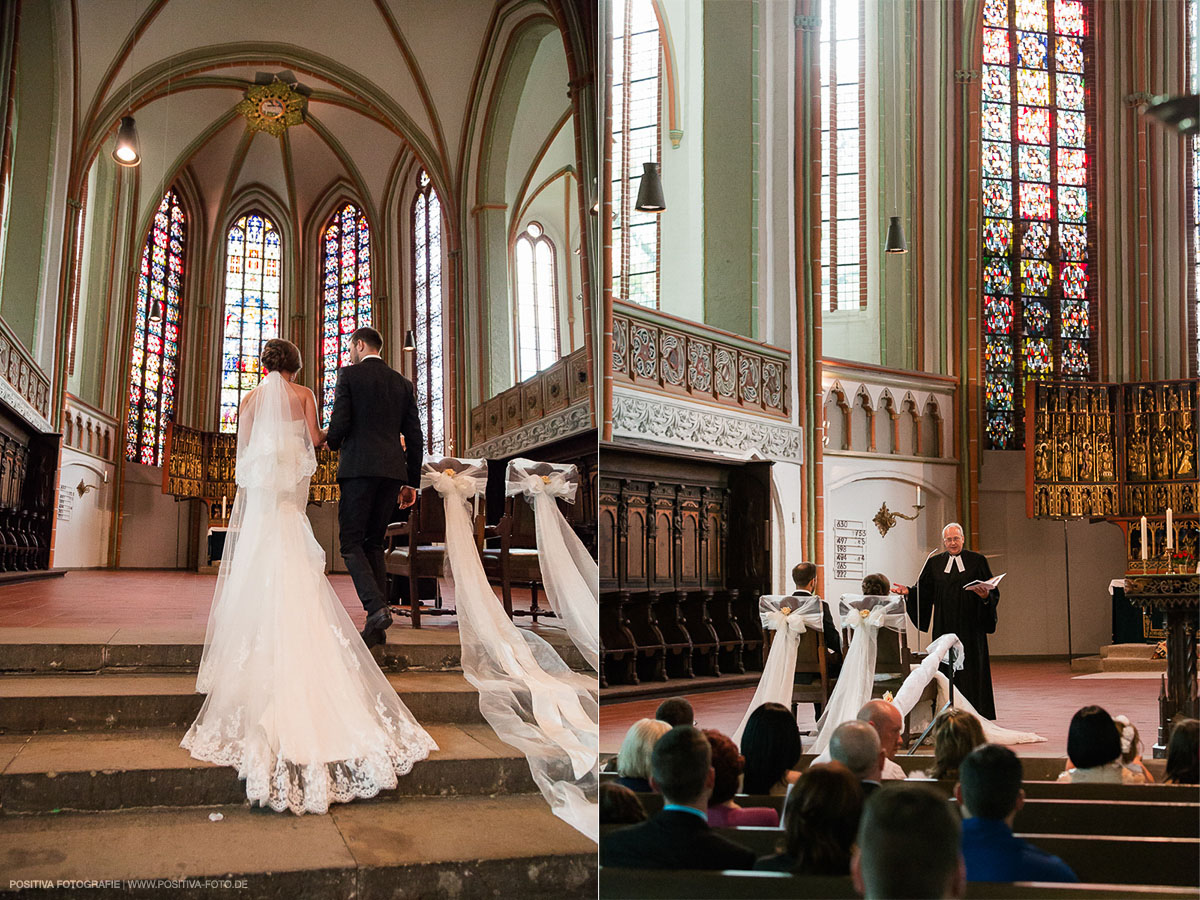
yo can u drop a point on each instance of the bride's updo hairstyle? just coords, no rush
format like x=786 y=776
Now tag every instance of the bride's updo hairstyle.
x=279 y=355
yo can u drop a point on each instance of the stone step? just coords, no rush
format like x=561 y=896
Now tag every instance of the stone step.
x=460 y=847
x=50 y=772
x=30 y=703
x=1128 y=651
x=150 y=649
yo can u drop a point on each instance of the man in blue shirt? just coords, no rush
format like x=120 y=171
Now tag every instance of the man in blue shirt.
x=990 y=795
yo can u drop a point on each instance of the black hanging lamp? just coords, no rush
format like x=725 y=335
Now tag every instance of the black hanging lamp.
x=410 y=340
x=128 y=151
x=650 y=193
x=895 y=237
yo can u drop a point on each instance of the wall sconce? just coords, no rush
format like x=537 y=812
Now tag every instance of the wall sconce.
x=83 y=488
x=885 y=520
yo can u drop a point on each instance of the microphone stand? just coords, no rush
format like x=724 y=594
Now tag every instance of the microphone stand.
x=918 y=586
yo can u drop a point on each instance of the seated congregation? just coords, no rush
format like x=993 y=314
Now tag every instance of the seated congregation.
x=974 y=821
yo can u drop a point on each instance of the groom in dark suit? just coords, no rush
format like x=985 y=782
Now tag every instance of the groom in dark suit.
x=376 y=426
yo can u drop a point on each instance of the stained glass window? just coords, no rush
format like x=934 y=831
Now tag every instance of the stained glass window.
x=636 y=137
x=1037 y=187
x=252 y=271
x=537 y=303
x=429 y=377
x=155 y=356
x=346 y=298
x=843 y=156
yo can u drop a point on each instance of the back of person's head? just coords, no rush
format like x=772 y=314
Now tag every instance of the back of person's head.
x=821 y=820
x=856 y=746
x=633 y=759
x=990 y=777
x=727 y=766
x=681 y=765
x=1131 y=742
x=804 y=574
x=279 y=355
x=1092 y=739
x=1183 y=752
x=908 y=845
x=771 y=746
x=368 y=336
x=619 y=805
x=877 y=585
x=675 y=711
x=955 y=734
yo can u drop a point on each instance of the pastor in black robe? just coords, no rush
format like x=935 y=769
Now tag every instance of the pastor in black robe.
x=939 y=597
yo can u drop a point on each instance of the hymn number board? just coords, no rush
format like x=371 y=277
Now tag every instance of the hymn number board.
x=850 y=549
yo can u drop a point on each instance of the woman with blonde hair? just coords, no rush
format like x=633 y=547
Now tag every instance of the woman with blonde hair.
x=633 y=759
x=955 y=734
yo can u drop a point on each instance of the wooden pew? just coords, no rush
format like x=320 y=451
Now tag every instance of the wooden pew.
x=1095 y=859
x=1055 y=816
x=652 y=884
x=1051 y=790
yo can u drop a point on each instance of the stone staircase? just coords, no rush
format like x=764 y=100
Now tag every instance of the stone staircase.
x=1120 y=658
x=95 y=788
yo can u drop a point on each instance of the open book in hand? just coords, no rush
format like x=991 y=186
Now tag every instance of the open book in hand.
x=991 y=583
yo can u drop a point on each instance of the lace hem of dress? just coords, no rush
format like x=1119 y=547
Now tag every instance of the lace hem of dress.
x=282 y=784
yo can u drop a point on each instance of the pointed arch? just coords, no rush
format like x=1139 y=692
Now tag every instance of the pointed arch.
x=536 y=309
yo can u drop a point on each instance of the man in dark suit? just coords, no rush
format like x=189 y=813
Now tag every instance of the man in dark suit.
x=804 y=576
x=376 y=427
x=856 y=746
x=678 y=836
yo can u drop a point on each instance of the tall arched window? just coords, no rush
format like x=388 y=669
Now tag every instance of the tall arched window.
x=843 y=156
x=1038 y=190
x=429 y=376
x=346 y=244
x=636 y=137
x=156 y=334
x=252 y=255
x=537 y=302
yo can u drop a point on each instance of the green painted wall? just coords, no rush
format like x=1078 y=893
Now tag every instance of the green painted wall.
x=728 y=174
x=28 y=215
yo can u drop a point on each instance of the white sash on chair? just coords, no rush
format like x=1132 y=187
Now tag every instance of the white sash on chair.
x=864 y=616
x=529 y=696
x=569 y=574
x=775 y=683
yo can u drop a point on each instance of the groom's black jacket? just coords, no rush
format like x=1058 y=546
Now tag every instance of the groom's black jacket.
x=372 y=407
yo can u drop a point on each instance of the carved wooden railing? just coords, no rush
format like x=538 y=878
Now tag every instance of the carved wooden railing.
x=659 y=352
x=23 y=375
x=538 y=397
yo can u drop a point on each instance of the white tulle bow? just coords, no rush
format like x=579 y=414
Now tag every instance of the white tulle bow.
x=450 y=483
x=856 y=619
x=781 y=621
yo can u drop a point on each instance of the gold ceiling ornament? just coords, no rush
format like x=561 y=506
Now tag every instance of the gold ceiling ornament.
x=272 y=108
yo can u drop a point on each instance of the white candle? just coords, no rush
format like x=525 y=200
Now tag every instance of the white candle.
x=918 y=495
x=222 y=506
x=1170 y=531
x=1145 y=544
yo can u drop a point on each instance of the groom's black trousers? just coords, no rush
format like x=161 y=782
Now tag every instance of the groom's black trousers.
x=364 y=512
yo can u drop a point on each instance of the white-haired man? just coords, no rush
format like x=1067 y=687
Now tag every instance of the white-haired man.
x=940 y=598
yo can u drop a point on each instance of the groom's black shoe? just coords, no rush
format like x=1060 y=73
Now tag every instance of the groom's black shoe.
x=375 y=630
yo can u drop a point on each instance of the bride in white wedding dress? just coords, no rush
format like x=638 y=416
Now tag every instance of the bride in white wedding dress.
x=295 y=700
